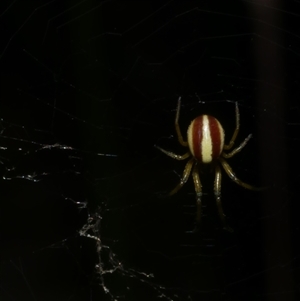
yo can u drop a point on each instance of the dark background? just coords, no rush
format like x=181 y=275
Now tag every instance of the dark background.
x=87 y=89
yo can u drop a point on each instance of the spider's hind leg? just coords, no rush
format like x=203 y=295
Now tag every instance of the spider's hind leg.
x=173 y=155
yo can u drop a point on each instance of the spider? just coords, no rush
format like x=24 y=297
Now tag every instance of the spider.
x=205 y=140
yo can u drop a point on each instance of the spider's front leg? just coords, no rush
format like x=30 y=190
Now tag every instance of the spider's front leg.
x=185 y=176
x=233 y=177
x=198 y=189
x=217 y=192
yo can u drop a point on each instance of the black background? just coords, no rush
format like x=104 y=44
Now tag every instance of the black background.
x=88 y=88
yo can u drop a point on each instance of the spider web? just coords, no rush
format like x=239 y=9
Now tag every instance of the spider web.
x=88 y=88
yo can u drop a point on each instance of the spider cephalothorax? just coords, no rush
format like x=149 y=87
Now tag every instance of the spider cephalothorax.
x=205 y=140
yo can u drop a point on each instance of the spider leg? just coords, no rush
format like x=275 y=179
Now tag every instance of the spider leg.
x=172 y=155
x=217 y=192
x=180 y=138
x=185 y=176
x=238 y=149
x=233 y=177
x=237 y=128
x=198 y=189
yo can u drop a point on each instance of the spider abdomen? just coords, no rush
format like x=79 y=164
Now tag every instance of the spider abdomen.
x=205 y=138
